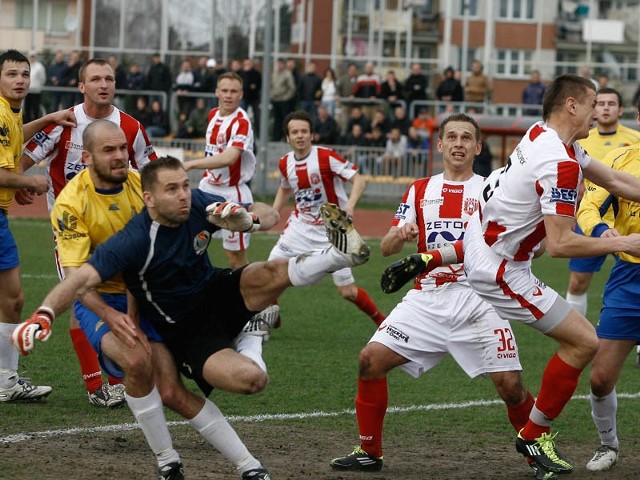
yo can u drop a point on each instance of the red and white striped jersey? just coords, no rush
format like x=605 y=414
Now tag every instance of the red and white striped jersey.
x=231 y=131
x=316 y=179
x=441 y=209
x=542 y=177
x=61 y=147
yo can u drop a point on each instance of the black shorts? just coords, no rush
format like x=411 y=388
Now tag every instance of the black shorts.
x=211 y=325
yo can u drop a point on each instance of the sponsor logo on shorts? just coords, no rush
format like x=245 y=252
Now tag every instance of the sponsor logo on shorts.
x=396 y=333
x=537 y=291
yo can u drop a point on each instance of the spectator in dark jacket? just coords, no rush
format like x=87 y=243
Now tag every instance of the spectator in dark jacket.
x=391 y=89
x=450 y=89
x=159 y=76
x=310 y=90
x=325 y=128
x=158 y=123
x=55 y=78
x=415 y=86
x=251 y=88
x=70 y=78
x=532 y=94
x=358 y=117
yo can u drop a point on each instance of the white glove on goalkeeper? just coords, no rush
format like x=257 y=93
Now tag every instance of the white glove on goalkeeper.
x=38 y=326
x=232 y=216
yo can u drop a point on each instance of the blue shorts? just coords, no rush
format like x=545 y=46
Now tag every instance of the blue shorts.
x=586 y=264
x=95 y=329
x=8 y=248
x=620 y=314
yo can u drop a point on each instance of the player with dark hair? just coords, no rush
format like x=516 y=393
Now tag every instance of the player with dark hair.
x=15 y=78
x=528 y=204
x=427 y=324
x=314 y=175
x=197 y=309
x=61 y=150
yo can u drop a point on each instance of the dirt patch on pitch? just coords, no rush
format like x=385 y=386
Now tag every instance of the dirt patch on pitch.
x=291 y=451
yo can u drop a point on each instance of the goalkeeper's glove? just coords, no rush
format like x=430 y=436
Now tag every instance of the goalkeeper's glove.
x=401 y=271
x=38 y=326
x=233 y=217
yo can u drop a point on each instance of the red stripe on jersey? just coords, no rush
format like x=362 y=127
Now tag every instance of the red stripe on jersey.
x=491 y=233
x=56 y=167
x=535 y=132
x=452 y=196
x=570 y=151
x=235 y=169
x=420 y=189
x=528 y=244
x=568 y=177
x=130 y=126
x=324 y=164
x=511 y=294
x=32 y=145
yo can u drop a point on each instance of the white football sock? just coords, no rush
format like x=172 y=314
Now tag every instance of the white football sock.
x=8 y=354
x=579 y=302
x=309 y=268
x=216 y=430
x=150 y=416
x=603 y=412
x=251 y=347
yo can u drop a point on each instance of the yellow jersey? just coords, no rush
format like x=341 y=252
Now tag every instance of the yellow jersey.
x=598 y=145
x=11 y=140
x=83 y=217
x=597 y=200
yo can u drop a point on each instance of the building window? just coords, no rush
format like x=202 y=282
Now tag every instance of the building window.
x=51 y=15
x=513 y=63
x=516 y=9
x=471 y=7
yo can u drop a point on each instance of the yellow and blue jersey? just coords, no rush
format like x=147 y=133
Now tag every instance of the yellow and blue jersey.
x=597 y=201
x=11 y=140
x=84 y=217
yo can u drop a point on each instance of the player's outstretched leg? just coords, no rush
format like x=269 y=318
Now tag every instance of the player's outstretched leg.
x=343 y=235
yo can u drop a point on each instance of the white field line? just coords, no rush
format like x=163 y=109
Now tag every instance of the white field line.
x=122 y=427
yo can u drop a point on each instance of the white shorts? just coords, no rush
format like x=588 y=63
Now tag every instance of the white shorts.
x=231 y=241
x=299 y=237
x=510 y=286
x=427 y=325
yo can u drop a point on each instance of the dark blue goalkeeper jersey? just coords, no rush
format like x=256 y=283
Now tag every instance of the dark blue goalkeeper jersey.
x=165 y=268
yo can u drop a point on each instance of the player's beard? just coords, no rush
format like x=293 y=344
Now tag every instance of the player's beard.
x=107 y=176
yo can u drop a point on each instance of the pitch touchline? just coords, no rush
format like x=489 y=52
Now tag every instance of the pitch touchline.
x=21 y=437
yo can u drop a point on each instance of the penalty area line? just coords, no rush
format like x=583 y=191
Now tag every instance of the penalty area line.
x=123 y=427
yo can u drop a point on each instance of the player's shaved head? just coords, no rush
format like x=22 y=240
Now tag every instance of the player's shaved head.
x=560 y=89
x=93 y=129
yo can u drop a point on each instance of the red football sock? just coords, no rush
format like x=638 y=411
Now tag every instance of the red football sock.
x=115 y=380
x=559 y=381
x=364 y=302
x=440 y=258
x=371 y=406
x=91 y=373
x=519 y=414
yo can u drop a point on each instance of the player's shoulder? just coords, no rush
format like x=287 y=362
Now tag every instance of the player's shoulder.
x=74 y=191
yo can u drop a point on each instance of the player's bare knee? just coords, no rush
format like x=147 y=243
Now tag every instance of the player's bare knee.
x=174 y=395
x=369 y=367
x=348 y=292
x=601 y=382
x=137 y=364
x=255 y=381
x=510 y=387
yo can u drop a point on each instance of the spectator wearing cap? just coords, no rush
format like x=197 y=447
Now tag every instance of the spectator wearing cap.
x=208 y=83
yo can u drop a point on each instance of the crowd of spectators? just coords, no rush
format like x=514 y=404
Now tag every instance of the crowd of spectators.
x=354 y=108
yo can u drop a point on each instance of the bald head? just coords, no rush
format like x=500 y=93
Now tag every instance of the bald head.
x=94 y=129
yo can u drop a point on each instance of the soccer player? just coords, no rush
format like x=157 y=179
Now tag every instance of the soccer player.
x=531 y=203
x=316 y=175
x=94 y=205
x=618 y=328
x=607 y=135
x=14 y=84
x=61 y=150
x=427 y=325
x=197 y=309
x=229 y=159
